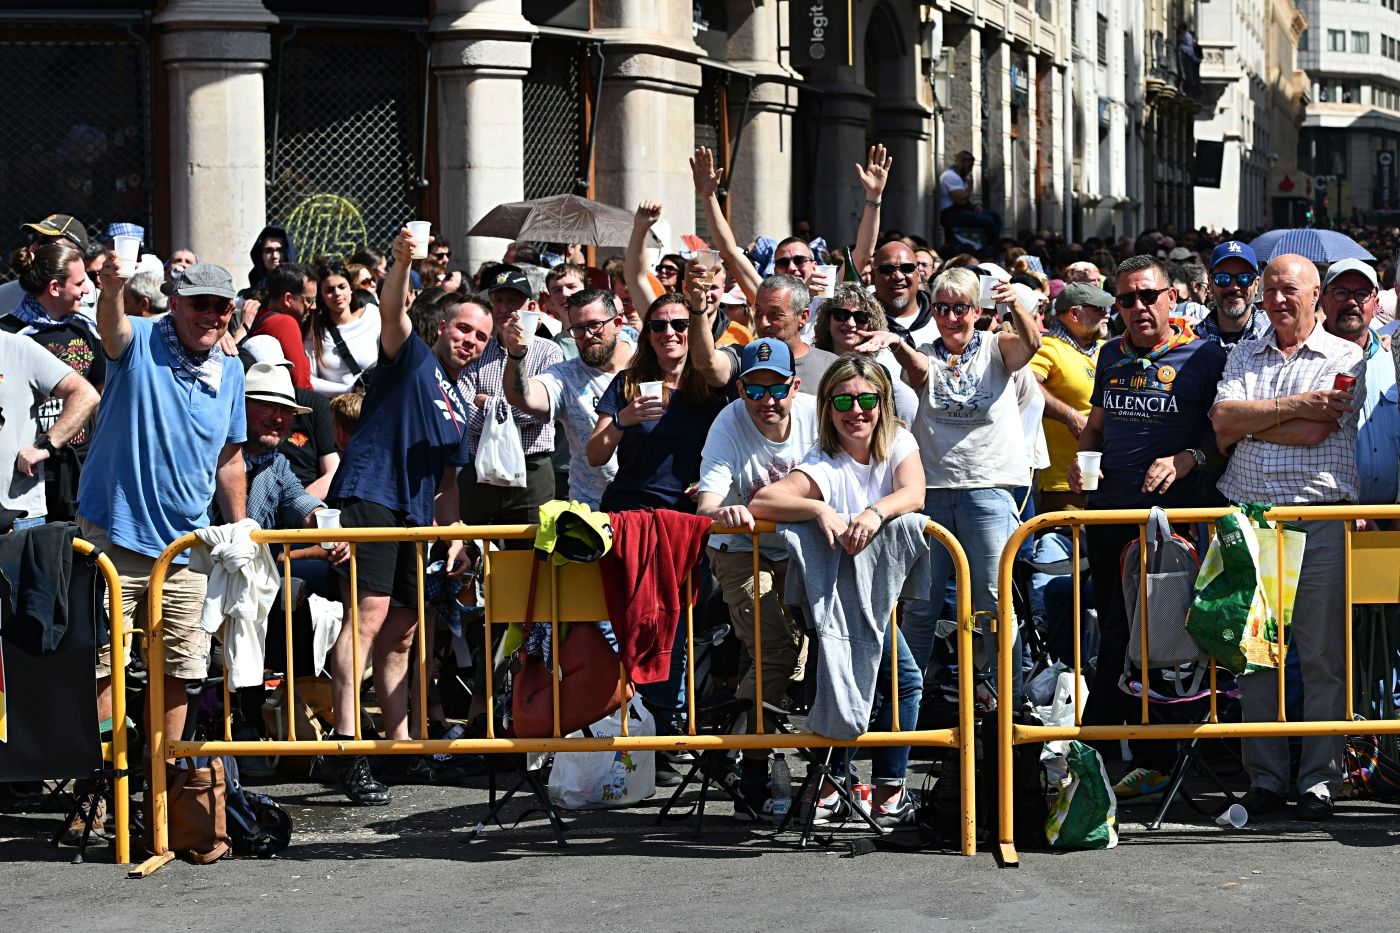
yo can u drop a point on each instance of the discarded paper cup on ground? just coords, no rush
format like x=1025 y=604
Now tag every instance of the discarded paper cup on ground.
x=328 y=518
x=829 y=291
x=652 y=389
x=1234 y=816
x=422 y=231
x=1089 y=470
x=128 y=250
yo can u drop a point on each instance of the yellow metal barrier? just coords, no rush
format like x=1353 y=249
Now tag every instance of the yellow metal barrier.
x=1373 y=576
x=505 y=598
x=121 y=782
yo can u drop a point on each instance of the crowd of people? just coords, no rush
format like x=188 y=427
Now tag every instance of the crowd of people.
x=782 y=379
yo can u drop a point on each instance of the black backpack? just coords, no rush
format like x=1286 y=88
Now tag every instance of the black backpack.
x=257 y=824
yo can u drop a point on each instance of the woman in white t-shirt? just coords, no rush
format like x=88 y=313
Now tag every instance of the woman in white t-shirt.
x=343 y=334
x=864 y=471
x=974 y=446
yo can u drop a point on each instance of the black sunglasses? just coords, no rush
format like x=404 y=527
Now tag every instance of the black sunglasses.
x=207 y=302
x=667 y=270
x=866 y=400
x=943 y=309
x=680 y=325
x=890 y=268
x=1242 y=279
x=1148 y=297
x=798 y=261
x=862 y=318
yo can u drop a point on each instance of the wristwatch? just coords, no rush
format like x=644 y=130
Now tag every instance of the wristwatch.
x=1198 y=455
x=42 y=442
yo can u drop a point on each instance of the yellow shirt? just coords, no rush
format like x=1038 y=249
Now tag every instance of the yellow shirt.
x=1068 y=374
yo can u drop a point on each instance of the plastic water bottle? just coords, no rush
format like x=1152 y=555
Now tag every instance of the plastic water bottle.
x=780 y=783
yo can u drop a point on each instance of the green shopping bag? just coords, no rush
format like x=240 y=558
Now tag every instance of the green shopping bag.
x=1085 y=815
x=1228 y=592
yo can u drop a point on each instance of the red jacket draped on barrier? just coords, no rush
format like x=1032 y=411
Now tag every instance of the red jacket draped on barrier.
x=643 y=577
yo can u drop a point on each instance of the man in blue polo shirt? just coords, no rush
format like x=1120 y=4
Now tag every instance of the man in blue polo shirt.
x=169 y=439
x=1153 y=391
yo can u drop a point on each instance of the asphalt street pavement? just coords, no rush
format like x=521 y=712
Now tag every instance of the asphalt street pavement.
x=414 y=865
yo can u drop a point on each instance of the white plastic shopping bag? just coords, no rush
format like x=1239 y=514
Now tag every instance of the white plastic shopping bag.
x=500 y=457
x=581 y=780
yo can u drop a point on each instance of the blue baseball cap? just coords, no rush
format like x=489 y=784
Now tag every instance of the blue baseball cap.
x=766 y=353
x=1233 y=249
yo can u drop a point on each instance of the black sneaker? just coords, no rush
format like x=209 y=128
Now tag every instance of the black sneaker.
x=358 y=783
x=427 y=769
x=1313 y=808
x=666 y=775
x=1260 y=800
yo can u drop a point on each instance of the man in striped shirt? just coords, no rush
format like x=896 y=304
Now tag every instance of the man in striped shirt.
x=1294 y=439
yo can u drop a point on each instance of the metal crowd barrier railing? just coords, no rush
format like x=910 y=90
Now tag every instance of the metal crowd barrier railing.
x=504 y=604
x=1377 y=553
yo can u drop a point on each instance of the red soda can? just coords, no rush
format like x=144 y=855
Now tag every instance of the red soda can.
x=1344 y=381
x=865 y=796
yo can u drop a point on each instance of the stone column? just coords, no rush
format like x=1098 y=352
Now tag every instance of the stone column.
x=481 y=52
x=215 y=53
x=996 y=167
x=962 y=111
x=646 y=117
x=760 y=187
x=840 y=116
x=903 y=126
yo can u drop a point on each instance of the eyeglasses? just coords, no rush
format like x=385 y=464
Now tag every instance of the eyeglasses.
x=862 y=318
x=890 y=268
x=680 y=325
x=798 y=261
x=1359 y=295
x=943 y=309
x=208 y=302
x=756 y=393
x=1242 y=279
x=593 y=328
x=866 y=400
x=667 y=270
x=1148 y=297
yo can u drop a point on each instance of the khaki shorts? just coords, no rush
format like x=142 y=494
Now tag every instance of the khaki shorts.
x=186 y=643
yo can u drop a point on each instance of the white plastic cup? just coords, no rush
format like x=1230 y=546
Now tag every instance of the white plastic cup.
x=328 y=518
x=1235 y=816
x=529 y=324
x=422 y=231
x=128 y=250
x=651 y=389
x=1089 y=469
x=989 y=285
x=829 y=291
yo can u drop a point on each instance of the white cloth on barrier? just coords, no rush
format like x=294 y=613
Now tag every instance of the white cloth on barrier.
x=243 y=586
x=327 y=616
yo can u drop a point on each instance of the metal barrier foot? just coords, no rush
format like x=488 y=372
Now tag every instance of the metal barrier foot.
x=151 y=864
x=1006 y=855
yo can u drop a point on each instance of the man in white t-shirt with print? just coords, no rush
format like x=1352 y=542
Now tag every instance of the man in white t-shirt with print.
x=754 y=442
x=569 y=390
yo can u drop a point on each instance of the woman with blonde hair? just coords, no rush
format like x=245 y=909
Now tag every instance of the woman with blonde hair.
x=864 y=472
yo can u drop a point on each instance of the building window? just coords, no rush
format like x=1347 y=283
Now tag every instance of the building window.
x=1103 y=39
x=1361 y=42
x=1336 y=40
x=1303 y=41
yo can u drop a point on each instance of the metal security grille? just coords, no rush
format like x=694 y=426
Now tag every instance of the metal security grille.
x=554 y=135
x=708 y=102
x=343 y=130
x=79 y=145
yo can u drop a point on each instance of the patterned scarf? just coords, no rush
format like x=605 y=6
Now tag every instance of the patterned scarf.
x=1179 y=333
x=957 y=380
x=34 y=316
x=1059 y=330
x=206 y=368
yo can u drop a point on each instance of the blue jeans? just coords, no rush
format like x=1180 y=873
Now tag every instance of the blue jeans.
x=24 y=524
x=982 y=520
x=888 y=764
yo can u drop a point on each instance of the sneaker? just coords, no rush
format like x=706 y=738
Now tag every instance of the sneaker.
x=73 y=835
x=1261 y=800
x=899 y=811
x=426 y=769
x=1141 y=782
x=666 y=775
x=359 y=784
x=1313 y=808
x=831 y=809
